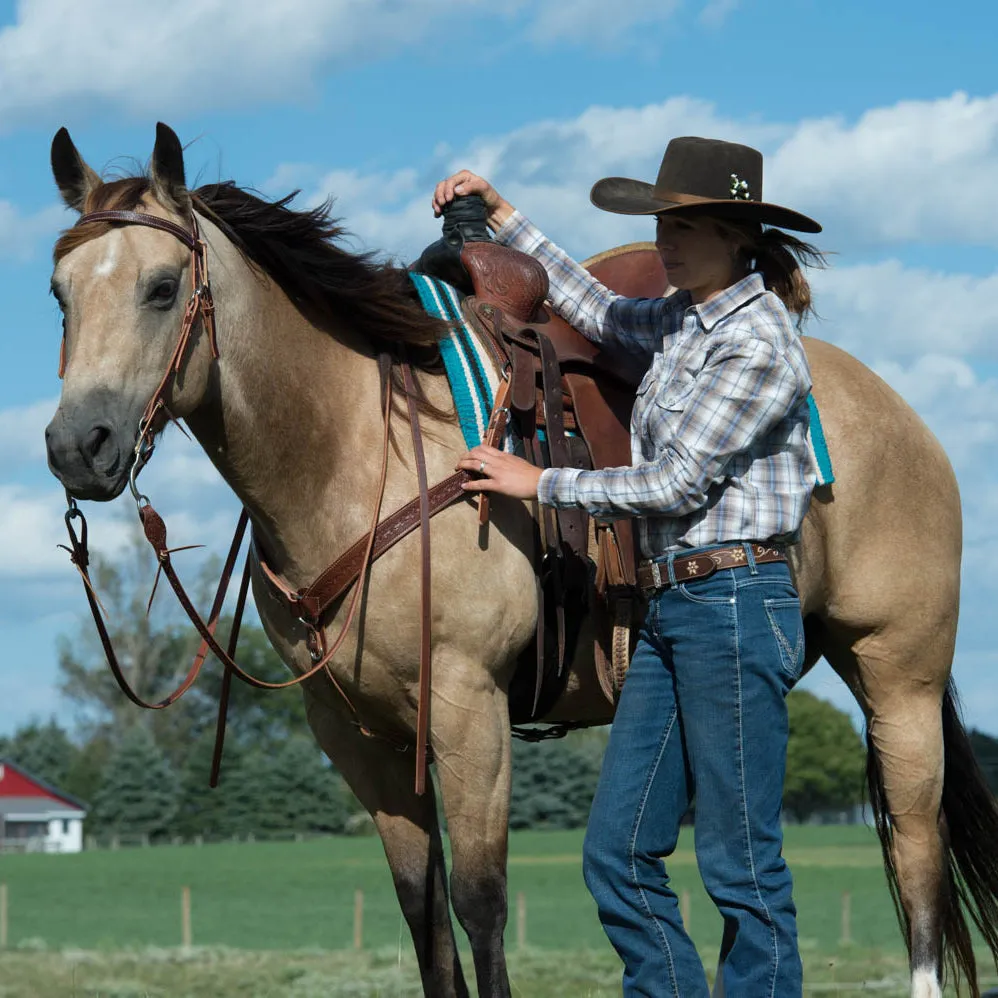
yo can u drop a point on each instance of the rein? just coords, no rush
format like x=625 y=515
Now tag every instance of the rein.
x=308 y=604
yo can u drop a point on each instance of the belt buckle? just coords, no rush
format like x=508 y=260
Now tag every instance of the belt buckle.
x=656 y=576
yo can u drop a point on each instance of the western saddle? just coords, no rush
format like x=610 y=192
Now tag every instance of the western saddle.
x=570 y=403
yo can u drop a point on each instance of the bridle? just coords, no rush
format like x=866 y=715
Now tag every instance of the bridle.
x=308 y=604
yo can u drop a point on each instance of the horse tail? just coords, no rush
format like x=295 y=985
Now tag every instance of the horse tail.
x=969 y=826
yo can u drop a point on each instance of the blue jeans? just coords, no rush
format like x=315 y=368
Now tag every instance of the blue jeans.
x=702 y=713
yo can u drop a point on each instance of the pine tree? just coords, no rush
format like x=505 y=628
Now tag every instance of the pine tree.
x=44 y=751
x=290 y=789
x=138 y=795
x=202 y=809
x=554 y=782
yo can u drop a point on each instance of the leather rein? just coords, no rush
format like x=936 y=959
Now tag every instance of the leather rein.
x=308 y=604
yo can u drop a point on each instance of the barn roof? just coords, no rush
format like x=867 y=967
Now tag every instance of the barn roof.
x=37 y=809
x=24 y=786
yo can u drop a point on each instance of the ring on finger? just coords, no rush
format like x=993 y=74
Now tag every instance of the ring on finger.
x=481 y=466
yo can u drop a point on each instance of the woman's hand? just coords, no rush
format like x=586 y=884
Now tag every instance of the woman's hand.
x=465 y=182
x=501 y=472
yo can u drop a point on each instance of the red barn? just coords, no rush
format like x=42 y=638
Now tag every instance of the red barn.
x=35 y=817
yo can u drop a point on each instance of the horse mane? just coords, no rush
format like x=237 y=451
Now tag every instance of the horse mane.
x=299 y=250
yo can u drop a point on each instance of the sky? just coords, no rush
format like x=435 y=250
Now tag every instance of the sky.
x=880 y=120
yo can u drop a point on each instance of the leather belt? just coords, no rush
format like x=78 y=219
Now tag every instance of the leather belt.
x=654 y=575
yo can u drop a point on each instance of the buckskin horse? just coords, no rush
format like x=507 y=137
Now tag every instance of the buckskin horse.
x=285 y=395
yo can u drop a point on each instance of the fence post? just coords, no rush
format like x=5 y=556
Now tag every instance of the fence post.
x=358 y=920
x=185 y=917
x=521 y=920
x=846 y=918
x=3 y=916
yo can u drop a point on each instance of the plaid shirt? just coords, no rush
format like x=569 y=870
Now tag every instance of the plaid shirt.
x=719 y=426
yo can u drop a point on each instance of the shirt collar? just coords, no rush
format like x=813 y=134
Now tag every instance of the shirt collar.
x=730 y=300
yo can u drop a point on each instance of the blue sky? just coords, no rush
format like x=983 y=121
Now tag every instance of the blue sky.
x=879 y=119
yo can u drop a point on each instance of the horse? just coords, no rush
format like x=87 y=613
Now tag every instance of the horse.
x=290 y=413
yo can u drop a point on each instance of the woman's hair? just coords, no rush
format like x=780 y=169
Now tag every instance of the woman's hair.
x=779 y=258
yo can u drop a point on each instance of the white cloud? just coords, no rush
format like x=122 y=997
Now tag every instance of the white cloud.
x=547 y=167
x=22 y=432
x=31 y=528
x=903 y=312
x=20 y=233
x=917 y=171
x=585 y=20
x=60 y=54
x=715 y=12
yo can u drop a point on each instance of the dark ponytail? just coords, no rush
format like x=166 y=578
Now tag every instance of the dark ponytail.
x=780 y=259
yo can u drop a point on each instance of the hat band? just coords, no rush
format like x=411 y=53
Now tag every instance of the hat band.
x=677 y=198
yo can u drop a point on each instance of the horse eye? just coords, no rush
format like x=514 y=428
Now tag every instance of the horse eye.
x=163 y=293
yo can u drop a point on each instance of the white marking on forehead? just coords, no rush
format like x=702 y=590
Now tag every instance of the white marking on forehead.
x=105 y=266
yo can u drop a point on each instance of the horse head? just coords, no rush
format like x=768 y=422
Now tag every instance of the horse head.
x=123 y=291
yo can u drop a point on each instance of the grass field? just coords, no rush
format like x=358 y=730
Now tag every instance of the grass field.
x=278 y=919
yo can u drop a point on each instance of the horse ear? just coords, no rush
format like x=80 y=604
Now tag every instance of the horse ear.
x=74 y=178
x=166 y=173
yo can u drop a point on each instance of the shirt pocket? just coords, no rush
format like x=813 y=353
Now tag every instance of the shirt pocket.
x=675 y=396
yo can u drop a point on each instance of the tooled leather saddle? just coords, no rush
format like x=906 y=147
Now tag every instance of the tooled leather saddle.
x=570 y=403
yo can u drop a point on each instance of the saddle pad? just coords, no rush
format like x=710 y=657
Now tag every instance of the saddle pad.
x=474 y=380
x=819 y=449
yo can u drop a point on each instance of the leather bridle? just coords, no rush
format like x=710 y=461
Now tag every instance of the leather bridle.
x=308 y=604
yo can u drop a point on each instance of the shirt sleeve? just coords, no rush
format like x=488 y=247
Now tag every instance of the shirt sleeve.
x=638 y=324
x=745 y=388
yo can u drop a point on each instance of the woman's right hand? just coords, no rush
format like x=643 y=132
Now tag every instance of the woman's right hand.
x=465 y=182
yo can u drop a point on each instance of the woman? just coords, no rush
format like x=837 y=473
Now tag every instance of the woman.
x=720 y=482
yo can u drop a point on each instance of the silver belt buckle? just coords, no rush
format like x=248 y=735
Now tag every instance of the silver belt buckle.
x=656 y=575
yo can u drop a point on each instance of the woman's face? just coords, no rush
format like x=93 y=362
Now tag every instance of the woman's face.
x=698 y=258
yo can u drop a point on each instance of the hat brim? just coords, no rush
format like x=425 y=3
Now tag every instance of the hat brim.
x=624 y=196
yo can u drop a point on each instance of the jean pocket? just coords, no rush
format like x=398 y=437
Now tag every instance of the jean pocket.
x=788 y=629
x=713 y=590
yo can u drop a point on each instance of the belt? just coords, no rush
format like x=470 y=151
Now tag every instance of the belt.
x=654 y=575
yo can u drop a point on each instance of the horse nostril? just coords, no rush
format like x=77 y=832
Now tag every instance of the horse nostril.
x=95 y=440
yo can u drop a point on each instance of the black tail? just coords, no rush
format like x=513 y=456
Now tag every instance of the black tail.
x=969 y=825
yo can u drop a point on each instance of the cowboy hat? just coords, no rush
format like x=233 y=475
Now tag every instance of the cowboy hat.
x=701 y=176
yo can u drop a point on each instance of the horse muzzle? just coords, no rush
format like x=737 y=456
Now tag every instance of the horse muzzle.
x=89 y=450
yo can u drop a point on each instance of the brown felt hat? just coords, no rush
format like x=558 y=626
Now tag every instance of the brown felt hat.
x=701 y=176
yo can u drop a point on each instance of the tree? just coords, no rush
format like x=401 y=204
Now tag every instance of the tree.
x=155 y=651
x=826 y=758
x=554 y=782
x=986 y=750
x=202 y=809
x=44 y=750
x=138 y=795
x=291 y=789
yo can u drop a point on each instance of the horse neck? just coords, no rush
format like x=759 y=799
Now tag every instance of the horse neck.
x=293 y=422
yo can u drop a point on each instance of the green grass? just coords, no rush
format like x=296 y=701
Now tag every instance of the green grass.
x=278 y=917
x=215 y=973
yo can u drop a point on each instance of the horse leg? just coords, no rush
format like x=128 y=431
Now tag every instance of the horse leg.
x=471 y=745
x=899 y=680
x=382 y=779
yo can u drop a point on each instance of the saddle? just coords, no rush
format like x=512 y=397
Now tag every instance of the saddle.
x=570 y=404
